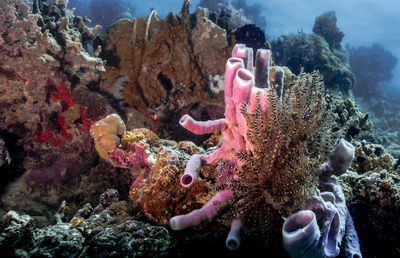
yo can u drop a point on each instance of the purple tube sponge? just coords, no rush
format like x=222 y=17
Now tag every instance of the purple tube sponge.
x=341 y=159
x=330 y=208
x=352 y=247
x=301 y=234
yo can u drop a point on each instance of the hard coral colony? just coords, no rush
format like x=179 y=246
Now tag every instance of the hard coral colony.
x=269 y=161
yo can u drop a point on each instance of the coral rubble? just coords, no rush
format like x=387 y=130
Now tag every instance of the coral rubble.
x=107 y=230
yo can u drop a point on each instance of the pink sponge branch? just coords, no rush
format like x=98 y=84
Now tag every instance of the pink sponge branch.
x=245 y=53
x=243 y=83
x=206 y=213
x=201 y=127
x=192 y=171
x=232 y=66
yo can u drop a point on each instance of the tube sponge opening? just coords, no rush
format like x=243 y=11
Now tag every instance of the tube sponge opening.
x=300 y=235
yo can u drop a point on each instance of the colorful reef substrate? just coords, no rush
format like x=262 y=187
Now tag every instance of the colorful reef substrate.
x=184 y=137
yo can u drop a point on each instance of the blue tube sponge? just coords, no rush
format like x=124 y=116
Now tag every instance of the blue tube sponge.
x=300 y=234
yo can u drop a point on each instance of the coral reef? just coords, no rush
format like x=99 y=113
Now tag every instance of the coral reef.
x=314 y=52
x=167 y=65
x=373 y=200
x=262 y=134
x=46 y=113
x=155 y=164
x=325 y=26
x=369 y=74
x=106 y=231
x=374 y=96
x=34 y=91
x=348 y=120
x=371 y=158
x=266 y=135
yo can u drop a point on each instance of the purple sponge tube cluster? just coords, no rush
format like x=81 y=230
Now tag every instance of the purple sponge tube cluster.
x=300 y=232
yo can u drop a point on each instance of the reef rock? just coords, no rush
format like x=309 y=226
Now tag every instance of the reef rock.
x=106 y=231
x=315 y=52
x=374 y=201
x=166 y=65
x=46 y=104
x=370 y=158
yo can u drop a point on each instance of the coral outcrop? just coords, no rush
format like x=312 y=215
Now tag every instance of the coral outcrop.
x=267 y=132
x=314 y=52
x=371 y=158
x=107 y=230
x=374 y=202
x=45 y=74
x=167 y=66
x=348 y=120
x=155 y=166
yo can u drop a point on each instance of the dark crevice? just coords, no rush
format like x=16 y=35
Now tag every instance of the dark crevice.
x=9 y=172
x=165 y=82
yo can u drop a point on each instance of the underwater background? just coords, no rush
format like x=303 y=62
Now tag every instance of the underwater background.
x=192 y=128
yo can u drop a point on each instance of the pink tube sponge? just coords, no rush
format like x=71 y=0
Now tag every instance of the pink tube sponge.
x=206 y=213
x=240 y=87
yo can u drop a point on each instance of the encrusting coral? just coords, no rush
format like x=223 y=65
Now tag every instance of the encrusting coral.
x=273 y=142
x=106 y=134
x=155 y=167
x=46 y=105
